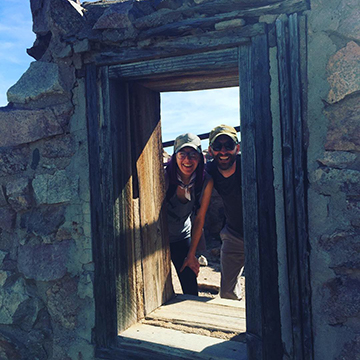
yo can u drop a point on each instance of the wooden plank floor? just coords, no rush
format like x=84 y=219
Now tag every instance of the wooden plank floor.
x=190 y=327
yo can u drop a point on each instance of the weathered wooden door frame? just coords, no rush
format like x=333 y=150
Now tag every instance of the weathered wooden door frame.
x=263 y=317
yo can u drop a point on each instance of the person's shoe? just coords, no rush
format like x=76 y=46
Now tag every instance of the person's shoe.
x=203 y=260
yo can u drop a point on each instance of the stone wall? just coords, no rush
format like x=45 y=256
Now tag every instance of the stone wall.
x=46 y=268
x=334 y=174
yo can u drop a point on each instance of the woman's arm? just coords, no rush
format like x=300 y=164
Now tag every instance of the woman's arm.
x=197 y=227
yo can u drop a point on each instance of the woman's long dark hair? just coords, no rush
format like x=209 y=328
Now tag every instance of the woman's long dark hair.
x=172 y=169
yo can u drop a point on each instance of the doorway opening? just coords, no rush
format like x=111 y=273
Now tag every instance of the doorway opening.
x=198 y=112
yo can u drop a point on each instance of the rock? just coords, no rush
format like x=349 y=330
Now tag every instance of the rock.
x=13 y=161
x=45 y=262
x=27 y=313
x=342 y=300
x=344 y=126
x=59 y=147
x=40 y=45
x=202 y=260
x=349 y=27
x=343 y=69
x=67 y=16
x=18 y=193
x=2 y=197
x=64 y=16
x=122 y=15
x=39 y=9
x=57 y=188
x=12 y=295
x=338 y=159
x=43 y=221
x=8 y=349
x=344 y=250
x=63 y=113
x=7 y=219
x=82 y=46
x=41 y=84
x=351 y=349
x=63 y=302
x=331 y=181
x=26 y=126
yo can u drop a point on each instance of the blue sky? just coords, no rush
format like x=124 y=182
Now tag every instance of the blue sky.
x=196 y=112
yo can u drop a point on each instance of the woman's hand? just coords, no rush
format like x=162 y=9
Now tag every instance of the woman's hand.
x=193 y=263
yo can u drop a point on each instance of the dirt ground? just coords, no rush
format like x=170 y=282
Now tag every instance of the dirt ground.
x=209 y=276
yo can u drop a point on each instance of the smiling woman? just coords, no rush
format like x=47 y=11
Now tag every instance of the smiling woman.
x=15 y=36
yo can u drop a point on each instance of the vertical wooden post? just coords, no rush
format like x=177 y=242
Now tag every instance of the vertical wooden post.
x=263 y=312
x=294 y=185
x=100 y=138
x=254 y=321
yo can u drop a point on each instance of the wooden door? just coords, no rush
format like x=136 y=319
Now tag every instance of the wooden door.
x=130 y=243
x=147 y=155
x=143 y=254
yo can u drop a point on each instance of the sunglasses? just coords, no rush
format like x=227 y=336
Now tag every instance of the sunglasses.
x=228 y=145
x=182 y=155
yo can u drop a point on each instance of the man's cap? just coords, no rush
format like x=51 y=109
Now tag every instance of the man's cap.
x=187 y=139
x=222 y=130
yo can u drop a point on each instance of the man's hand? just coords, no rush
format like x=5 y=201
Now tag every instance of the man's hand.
x=193 y=263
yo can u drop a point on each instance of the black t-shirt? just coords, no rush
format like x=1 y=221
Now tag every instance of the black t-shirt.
x=230 y=191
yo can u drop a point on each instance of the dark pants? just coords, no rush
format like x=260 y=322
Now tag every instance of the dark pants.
x=187 y=277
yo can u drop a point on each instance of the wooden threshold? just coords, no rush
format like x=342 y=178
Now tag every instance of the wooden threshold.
x=190 y=327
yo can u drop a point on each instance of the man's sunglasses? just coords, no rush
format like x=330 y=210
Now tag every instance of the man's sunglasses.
x=228 y=145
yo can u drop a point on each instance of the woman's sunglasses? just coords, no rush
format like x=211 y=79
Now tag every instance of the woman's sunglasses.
x=228 y=145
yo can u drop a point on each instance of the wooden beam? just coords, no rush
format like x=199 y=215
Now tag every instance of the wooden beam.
x=272 y=344
x=191 y=44
x=101 y=216
x=288 y=180
x=299 y=163
x=250 y=206
x=215 y=80
x=200 y=63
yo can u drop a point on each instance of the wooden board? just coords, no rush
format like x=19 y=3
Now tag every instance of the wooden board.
x=147 y=157
x=202 y=312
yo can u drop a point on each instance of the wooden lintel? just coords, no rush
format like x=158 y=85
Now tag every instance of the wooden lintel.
x=193 y=63
x=192 y=82
x=210 y=41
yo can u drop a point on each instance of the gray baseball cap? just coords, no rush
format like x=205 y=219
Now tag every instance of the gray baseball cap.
x=187 y=139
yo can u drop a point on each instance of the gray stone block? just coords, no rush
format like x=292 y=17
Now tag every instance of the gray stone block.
x=42 y=83
x=7 y=219
x=18 y=193
x=44 y=262
x=26 y=126
x=57 y=188
x=43 y=221
x=12 y=295
x=13 y=161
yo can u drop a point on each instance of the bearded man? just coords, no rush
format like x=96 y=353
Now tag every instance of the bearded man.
x=225 y=169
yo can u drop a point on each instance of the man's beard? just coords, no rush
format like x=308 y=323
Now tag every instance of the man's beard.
x=228 y=164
